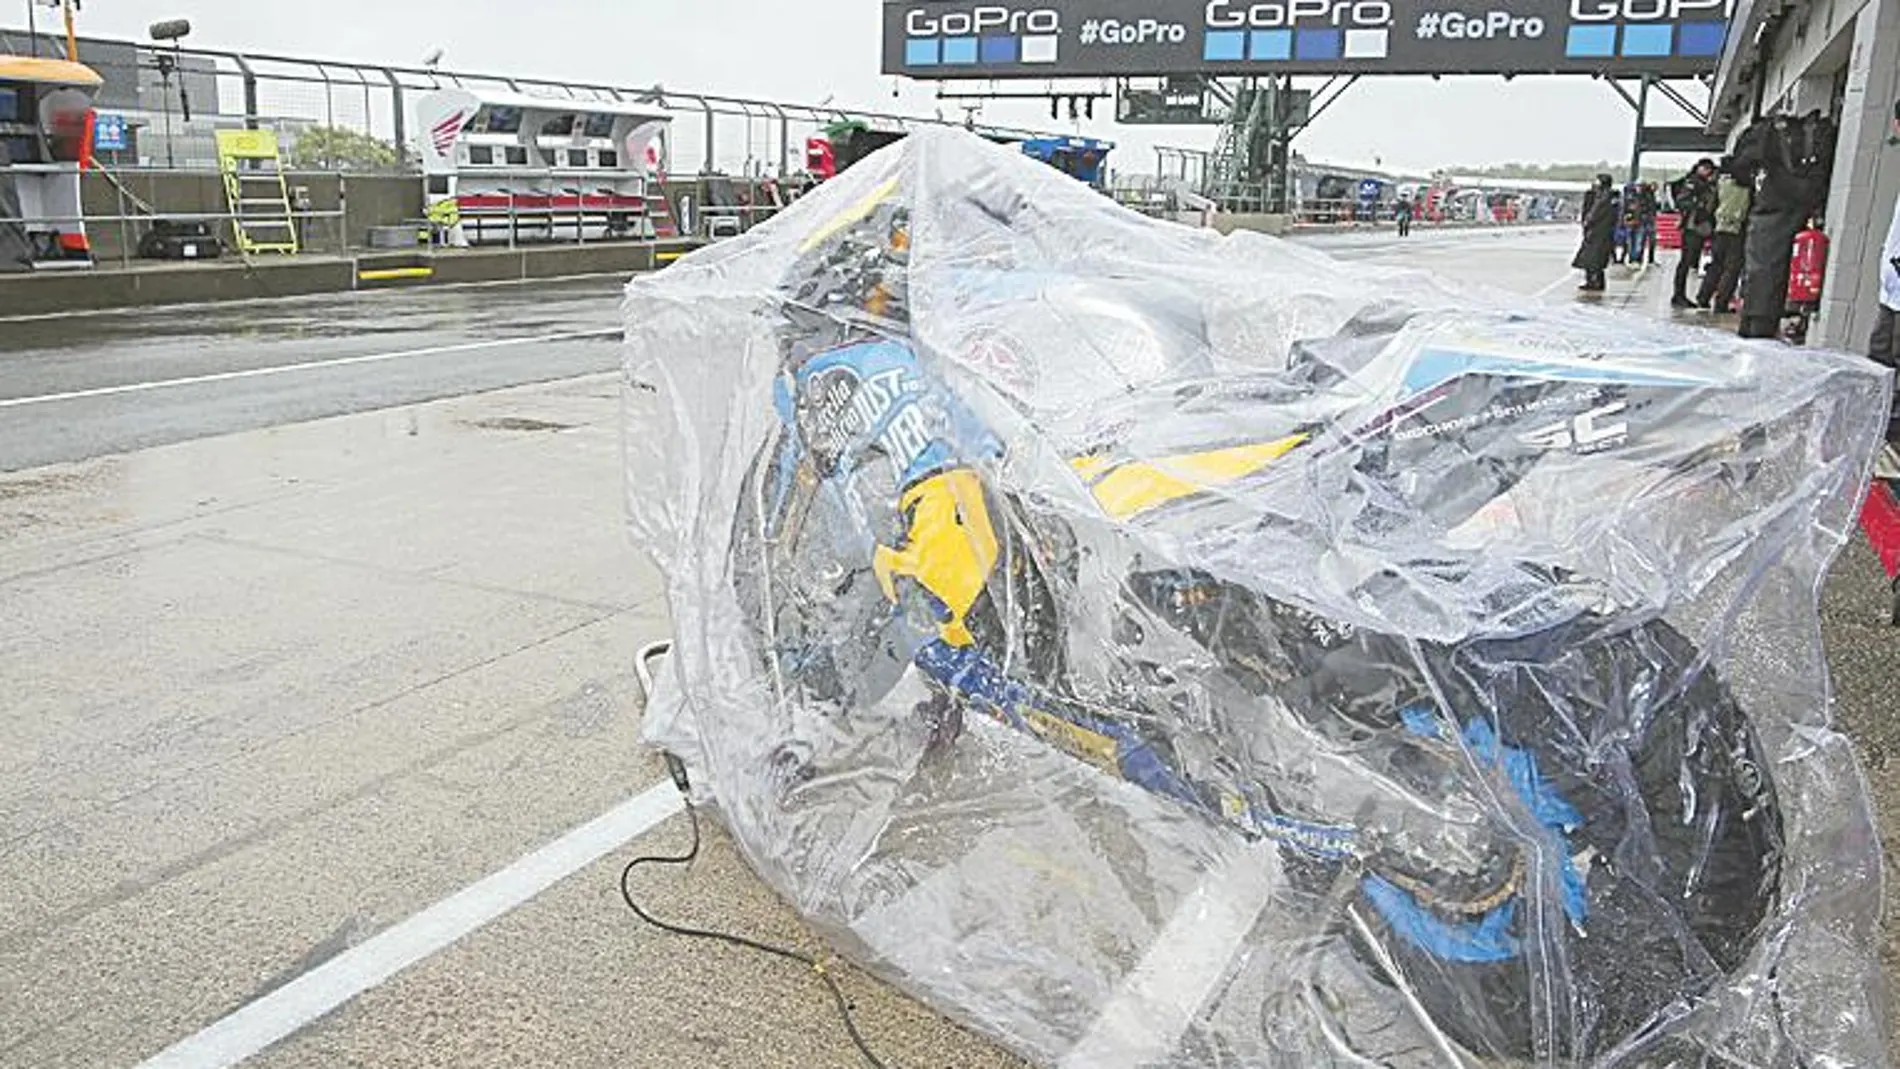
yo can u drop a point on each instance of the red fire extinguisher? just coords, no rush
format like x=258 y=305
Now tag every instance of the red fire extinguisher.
x=1807 y=272
x=1808 y=269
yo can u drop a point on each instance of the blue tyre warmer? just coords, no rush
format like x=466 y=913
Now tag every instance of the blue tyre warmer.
x=1488 y=939
x=973 y=675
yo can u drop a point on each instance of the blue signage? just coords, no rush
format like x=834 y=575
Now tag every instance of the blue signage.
x=110 y=133
x=1082 y=38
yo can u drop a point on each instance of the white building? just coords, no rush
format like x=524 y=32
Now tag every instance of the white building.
x=1842 y=57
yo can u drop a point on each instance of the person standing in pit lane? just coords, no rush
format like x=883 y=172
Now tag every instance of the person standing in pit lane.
x=1695 y=198
x=1734 y=195
x=1404 y=212
x=1652 y=206
x=1599 y=234
x=1635 y=228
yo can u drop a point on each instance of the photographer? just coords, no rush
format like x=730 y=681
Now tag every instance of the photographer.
x=1695 y=197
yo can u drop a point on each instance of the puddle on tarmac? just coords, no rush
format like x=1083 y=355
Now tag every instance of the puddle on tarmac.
x=517 y=423
x=14 y=487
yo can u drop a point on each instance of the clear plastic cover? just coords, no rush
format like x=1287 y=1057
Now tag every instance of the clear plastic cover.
x=1155 y=649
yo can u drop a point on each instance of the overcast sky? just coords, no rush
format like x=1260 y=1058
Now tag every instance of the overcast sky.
x=808 y=50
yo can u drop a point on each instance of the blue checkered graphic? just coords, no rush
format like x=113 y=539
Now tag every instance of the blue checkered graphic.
x=921 y=52
x=988 y=51
x=1222 y=46
x=1318 y=44
x=1329 y=45
x=1701 y=38
x=1645 y=40
x=1649 y=40
x=959 y=50
x=1273 y=44
x=1592 y=41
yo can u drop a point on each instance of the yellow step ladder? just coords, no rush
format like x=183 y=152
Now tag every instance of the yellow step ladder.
x=254 y=186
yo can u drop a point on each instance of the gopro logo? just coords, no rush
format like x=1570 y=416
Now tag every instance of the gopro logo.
x=987 y=35
x=1282 y=14
x=980 y=21
x=1649 y=10
x=1297 y=30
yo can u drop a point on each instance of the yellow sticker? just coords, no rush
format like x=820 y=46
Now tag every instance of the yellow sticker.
x=853 y=214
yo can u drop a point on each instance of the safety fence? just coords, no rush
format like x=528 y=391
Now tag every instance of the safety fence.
x=1322 y=212
x=333 y=115
x=341 y=212
x=1174 y=198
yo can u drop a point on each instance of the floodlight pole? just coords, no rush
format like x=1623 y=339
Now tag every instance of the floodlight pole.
x=165 y=76
x=1642 y=116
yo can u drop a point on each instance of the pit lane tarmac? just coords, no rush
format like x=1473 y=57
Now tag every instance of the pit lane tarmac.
x=283 y=686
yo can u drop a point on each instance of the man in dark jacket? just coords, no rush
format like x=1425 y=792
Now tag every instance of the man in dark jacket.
x=1599 y=234
x=1696 y=201
x=1652 y=205
x=1734 y=194
x=1793 y=159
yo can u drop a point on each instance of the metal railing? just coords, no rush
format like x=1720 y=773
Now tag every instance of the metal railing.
x=336 y=212
x=1345 y=212
x=357 y=117
x=1175 y=198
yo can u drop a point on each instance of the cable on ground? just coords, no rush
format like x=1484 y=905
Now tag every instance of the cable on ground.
x=677 y=769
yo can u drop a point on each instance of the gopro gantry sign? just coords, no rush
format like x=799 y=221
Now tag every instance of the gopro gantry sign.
x=1056 y=38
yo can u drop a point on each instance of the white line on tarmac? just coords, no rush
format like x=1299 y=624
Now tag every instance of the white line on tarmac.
x=378 y=294
x=1556 y=284
x=1160 y=997
x=308 y=365
x=259 y=1024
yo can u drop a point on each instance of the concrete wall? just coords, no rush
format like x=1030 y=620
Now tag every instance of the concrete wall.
x=1801 y=48
x=1228 y=222
x=1866 y=178
x=1850 y=48
x=367 y=200
x=35 y=293
x=76 y=291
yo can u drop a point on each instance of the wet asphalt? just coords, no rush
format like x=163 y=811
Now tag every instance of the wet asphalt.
x=94 y=385
x=294 y=656
x=151 y=377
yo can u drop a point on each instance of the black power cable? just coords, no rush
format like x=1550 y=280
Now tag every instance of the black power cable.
x=817 y=966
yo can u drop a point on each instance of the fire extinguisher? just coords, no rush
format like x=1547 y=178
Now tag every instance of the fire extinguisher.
x=1808 y=269
x=1807 y=272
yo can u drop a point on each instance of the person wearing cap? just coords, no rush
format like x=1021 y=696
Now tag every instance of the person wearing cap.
x=1695 y=197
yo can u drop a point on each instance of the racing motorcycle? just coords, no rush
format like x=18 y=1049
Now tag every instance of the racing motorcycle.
x=1539 y=779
